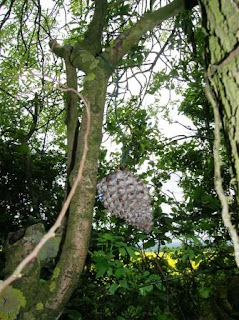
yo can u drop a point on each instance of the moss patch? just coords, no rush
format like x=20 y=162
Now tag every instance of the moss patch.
x=11 y=301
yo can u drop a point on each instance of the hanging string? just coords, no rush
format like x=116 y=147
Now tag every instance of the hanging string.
x=115 y=95
x=125 y=148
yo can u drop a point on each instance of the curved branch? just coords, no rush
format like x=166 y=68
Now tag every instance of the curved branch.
x=149 y=20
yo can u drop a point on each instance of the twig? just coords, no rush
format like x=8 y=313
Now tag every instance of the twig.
x=17 y=273
x=226 y=217
x=225 y=61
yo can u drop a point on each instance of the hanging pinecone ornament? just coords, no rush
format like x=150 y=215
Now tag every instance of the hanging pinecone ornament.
x=127 y=197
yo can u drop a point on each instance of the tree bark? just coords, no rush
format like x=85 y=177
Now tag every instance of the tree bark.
x=76 y=242
x=220 y=19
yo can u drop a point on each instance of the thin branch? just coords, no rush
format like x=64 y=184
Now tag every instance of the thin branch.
x=231 y=55
x=7 y=15
x=185 y=126
x=17 y=273
x=146 y=23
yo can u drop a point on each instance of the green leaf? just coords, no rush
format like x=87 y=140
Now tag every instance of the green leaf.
x=119 y=272
x=101 y=272
x=123 y=283
x=73 y=314
x=160 y=286
x=39 y=306
x=153 y=277
x=204 y=292
x=149 y=244
x=146 y=273
x=122 y=252
x=131 y=252
x=110 y=271
x=101 y=268
x=107 y=237
x=146 y=289
x=113 y=288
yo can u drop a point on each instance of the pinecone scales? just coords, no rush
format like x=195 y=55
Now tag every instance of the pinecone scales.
x=126 y=196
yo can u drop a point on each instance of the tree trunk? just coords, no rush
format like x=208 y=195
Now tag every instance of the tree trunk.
x=77 y=238
x=67 y=272
x=221 y=22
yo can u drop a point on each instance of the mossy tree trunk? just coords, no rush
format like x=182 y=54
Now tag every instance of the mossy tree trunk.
x=221 y=19
x=221 y=22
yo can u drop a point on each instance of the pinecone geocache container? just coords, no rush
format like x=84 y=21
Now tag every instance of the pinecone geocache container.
x=126 y=196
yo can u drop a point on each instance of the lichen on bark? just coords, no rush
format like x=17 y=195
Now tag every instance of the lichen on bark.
x=222 y=59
